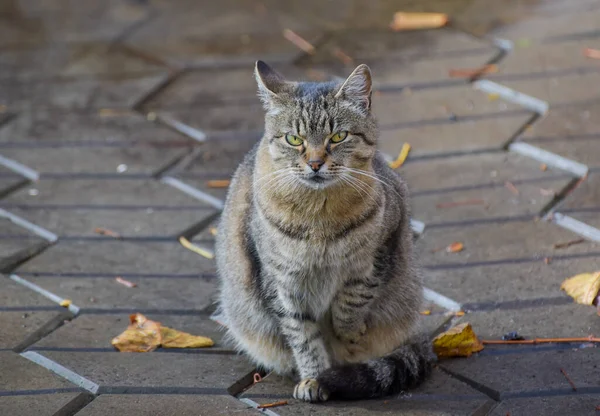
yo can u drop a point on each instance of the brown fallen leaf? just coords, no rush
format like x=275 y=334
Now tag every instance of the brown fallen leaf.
x=172 y=338
x=106 y=232
x=412 y=21
x=401 y=157
x=583 y=288
x=142 y=335
x=124 y=282
x=472 y=72
x=145 y=335
x=511 y=187
x=459 y=341
x=218 y=183
x=455 y=247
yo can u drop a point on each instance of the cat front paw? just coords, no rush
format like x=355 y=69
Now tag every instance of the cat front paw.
x=309 y=390
x=350 y=334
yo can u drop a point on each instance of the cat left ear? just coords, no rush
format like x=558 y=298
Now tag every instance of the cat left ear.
x=357 y=88
x=270 y=83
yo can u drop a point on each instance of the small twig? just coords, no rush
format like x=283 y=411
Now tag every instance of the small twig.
x=591 y=338
x=299 y=41
x=275 y=404
x=511 y=187
x=124 y=282
x=342 y=56
x=198 y=250
x=569 y=243
x=460 y=203
x=568 y=379
x=218 y=183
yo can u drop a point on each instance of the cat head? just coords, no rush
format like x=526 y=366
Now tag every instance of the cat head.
x=318 y=132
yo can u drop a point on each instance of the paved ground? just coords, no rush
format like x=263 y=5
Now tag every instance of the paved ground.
x=116 y=114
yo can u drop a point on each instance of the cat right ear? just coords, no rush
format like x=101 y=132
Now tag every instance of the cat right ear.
x=270 y=84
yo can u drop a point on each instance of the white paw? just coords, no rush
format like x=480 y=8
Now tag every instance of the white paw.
x=309 y=390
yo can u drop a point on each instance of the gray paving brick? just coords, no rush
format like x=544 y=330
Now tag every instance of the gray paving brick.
x=460 y=136
x=16 y=243
x=586 y=197
x=501 y=241
x=580 y=404
x=20 y=374
x=440 y=395
x=529 y=372
x=550 y=321
x=509 y=282
x=9 y=180
x=68 y=93
x=582 y=152
x=167 y=405
x=22 y=312
x=38 y=404
x=91 y=331
x=85 y=273
x=157 y=369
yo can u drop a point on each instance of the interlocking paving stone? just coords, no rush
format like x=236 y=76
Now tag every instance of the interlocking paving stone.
x=86 y=274
x=194 y=35
x=17 y=243
x=169 y=370
x=79 y=93
x=167 y=405
x=562 y=88
x=550 y=321
x=22 y=312
x=124 y=128
x=467 y=135
x=9 y=180
x=580 y=404
x=509 y=284
x=481 y=179
x=90 y=331
x=530 y=372
x=581 y=150
x=440 y=395
x=487 y=242
x=20 y=374
x=565 y=123
x=37 y=404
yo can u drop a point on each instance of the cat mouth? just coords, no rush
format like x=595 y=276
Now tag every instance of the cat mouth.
x=316 y=180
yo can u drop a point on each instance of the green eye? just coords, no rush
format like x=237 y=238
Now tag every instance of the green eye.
x=293 y=140
x=340 y=136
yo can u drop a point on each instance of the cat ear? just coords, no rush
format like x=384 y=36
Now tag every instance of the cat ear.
x=270 y=84
x=357 y=88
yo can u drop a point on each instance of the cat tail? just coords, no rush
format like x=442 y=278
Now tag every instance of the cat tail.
x=404 y=368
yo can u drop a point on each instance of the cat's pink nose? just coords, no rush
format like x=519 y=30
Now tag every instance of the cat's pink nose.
x=315 y=164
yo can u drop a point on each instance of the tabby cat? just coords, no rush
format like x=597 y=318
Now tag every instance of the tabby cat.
x=314 y=250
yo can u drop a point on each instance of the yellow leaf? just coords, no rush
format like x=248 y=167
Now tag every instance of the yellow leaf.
x=583 y=288
x=172 y=338
x=142 y=335
x=401 y=157
x=65 y=303
x=459 y=341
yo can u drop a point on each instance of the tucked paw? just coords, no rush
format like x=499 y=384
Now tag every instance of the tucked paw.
x=310 y=390
x=351 y=335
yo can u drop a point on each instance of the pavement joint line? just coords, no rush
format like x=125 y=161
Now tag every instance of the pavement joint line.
x=578 y=227
x=23 y=223
x=34 y=207
x=441 y=300
x=185 y=129
x=19 y=168
x=255 y=405
x=527 y=394
x=5 y=393
x=61 y=371
x=551 y=159
x=193 y=192
x=45 y=293
x=508 y=94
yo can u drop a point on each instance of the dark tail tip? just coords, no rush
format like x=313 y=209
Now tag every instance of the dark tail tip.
x=403 y=369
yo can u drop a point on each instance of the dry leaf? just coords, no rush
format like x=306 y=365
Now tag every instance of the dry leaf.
x=65 y=303
x=426 y=312
x=583 y=288
x=172 y=338
x=493 y=96
x=124 y=282
x=455 y=247
x=142 y=335
x=411 y=21
x=145 y=335
x=218 y=183
x=401 y=157
x=459 y=341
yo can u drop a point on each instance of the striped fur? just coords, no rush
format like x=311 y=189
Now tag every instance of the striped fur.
x=317 y=272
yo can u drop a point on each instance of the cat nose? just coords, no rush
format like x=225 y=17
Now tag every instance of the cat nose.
x=315 y=164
